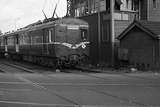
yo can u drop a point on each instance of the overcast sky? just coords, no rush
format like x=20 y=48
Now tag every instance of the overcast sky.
x=19 y=13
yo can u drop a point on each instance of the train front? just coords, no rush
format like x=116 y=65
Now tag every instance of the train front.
x=73 y=48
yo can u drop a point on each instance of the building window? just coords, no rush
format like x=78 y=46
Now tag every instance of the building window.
x=86 y=7
x=118 y=4
x=127 y=5
x=154 y=3
x=121 y=16
x=81 y=9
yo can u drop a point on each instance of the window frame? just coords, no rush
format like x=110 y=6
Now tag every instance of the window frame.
x=51 y=35
x=84 y=34
x=154 y=4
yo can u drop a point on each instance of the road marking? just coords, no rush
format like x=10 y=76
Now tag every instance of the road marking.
x=6 y=89
x=89 y=84
x=37 y=85
x=37 y=104
x=13 y=83
x=20 y=67
x=81 y=84
x=118 y=97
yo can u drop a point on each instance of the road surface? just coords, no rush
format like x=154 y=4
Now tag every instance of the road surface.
x=79 y=90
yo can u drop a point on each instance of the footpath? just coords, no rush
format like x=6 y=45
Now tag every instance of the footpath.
x=110 y=70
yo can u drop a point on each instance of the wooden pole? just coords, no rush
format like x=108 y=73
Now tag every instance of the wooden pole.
x=112 y=3
x=99 y=32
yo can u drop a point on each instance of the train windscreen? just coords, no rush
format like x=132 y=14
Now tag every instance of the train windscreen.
x=84 y=34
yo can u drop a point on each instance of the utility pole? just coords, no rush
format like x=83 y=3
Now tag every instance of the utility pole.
x=99 y=32
x=112 y=4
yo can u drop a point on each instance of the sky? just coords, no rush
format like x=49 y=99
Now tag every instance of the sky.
x=15 y=14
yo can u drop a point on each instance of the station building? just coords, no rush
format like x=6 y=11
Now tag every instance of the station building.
x=140 y=45
x=98 y=14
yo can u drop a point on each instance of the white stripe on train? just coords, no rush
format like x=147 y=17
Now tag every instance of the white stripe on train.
x=71 y=46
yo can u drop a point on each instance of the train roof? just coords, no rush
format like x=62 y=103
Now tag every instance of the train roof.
x=38 y=26
x=74 y=21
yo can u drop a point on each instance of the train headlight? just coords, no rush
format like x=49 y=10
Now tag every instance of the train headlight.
x=83 y=46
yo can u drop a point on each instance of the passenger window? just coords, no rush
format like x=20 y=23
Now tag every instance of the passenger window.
x=10 y=41
x=0 y=42
x=84 y=34
x=51 y=35
x=16 y=39
x=23 y=39
x=6 y=43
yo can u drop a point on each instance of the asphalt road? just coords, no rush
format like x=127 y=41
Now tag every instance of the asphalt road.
x=79 y=90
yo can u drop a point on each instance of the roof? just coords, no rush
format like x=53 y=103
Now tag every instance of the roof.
x=150 y=27
x=38 y=25
x=74 y=21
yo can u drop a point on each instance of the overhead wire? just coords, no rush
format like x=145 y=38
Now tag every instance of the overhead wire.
x=44 y=4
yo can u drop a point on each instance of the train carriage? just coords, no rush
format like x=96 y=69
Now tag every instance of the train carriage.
x=9 y=44
x=2 y=46
x=61 y=42
x=24 y=42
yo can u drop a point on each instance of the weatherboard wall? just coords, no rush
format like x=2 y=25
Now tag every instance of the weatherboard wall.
x=143 y=50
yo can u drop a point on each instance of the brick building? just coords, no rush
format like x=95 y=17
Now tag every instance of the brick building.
x=97 y=14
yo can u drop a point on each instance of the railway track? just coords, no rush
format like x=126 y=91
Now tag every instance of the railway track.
x=131 y=101
x=16 y=67
x=11 y=68
x=8 y=67
x=21 y=67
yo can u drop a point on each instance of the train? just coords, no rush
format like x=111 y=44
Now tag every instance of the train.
x=61 y=42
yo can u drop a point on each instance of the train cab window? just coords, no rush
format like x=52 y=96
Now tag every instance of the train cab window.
x=84 y=34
